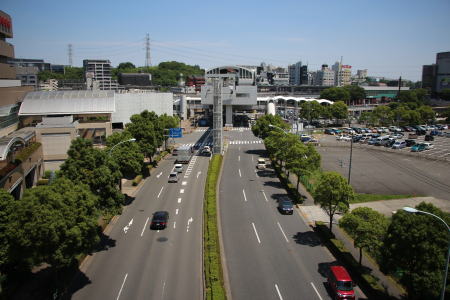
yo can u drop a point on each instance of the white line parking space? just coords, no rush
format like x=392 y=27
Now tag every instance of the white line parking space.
x=278 y=292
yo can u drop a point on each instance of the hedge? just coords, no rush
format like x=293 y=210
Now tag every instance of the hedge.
x=214 y=287
x=26 y=152
x=42 y=182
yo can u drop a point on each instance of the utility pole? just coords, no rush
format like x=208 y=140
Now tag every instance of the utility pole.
x=147 y=51
x=399 y=86
x=70 y=54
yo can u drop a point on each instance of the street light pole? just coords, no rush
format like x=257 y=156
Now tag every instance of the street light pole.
x=416 y=211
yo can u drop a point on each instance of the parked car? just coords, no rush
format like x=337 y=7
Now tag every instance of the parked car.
x=429 y=138
x=418 y=148
x=285 y=206
x=364 y=139
x=396 y=136
x=329 y=131
x=389 y=143
x=410 y=142
x=340 y=283
x=447 y=134
x=399 y=145
x=173 y=177
x=206 y=150
x=428 y=146
x=372 y=141
x=382 y=140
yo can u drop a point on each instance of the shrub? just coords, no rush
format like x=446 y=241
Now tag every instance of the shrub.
x=42 y=182
x=137 y=179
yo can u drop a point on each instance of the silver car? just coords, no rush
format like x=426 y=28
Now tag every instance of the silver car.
x=173 y=177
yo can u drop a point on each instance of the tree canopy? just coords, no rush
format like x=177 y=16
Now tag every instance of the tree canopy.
x=335 y=94
x=356 y=92
x=262 y=128
x=333 y=194
x=415 y=248
x=128 y=155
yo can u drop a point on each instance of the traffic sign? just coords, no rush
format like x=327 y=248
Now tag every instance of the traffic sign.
x=175 y=133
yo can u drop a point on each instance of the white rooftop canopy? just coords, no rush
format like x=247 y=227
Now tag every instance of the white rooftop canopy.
x=67 y=103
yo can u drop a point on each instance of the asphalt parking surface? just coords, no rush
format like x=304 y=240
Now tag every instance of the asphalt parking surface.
x=390 y=172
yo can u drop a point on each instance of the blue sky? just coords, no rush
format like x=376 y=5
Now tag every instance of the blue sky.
x=388 y=37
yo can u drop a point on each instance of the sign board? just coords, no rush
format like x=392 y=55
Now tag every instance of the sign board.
x=175 y=132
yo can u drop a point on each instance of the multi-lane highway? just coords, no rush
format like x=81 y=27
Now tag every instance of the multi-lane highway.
x=268 y=255
x=147 y=264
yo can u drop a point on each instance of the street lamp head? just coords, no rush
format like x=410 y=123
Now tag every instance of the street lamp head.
x=410 y=210
x=270 y=125
x=132 y=140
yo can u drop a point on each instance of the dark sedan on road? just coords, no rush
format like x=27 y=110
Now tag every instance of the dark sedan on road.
x=159 y=220
x=286 y=207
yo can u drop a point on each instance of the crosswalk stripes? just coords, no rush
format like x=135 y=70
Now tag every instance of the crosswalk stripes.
x=201 y=129
x=196 y=144
x=240 y=128
x=246 y=142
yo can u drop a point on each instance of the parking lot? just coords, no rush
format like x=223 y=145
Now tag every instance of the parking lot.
x=379 y=170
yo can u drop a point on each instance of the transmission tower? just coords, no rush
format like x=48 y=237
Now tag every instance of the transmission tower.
x=70 y=53
x=147 y=51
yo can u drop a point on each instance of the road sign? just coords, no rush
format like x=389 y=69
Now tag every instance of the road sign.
x=175 y=133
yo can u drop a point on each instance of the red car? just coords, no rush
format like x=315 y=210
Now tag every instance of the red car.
x=341 y=283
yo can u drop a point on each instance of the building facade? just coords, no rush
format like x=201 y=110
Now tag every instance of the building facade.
x=325 y=76
x=442 y=71
x=99 y=71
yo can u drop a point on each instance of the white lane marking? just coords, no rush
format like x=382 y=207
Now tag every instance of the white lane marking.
x=174 y=225
x=179 y=200
x=123 y=283
x=257 y=236
x=256 y=173
x=239 y=158
x=182 y=191
x=176 y=211
x=186 y=176
x=164 y=286
x=125 y=229
x=264 y=194
x=252 y=158
x=278 y=291
x=184 y=183
x=160 y=191
x=145 y=225
x=198 y=173
x=283 y=232
x=245 y=197
x=159 y=175
x=317 y=292
x=240 y=175
x=188 y=224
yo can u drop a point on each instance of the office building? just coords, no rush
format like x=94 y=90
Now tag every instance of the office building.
x=28 y=76
x=38 y=63
x=100 y=71
x=325 y=76
x=298 y=74
x=342 y=74
x=429 y=77
x=442 y=71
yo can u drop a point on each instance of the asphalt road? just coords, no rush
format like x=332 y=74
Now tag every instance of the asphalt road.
x=139 y=263
x=268 y=255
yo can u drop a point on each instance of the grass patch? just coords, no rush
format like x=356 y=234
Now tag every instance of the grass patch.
x=211 y=260
x=359 y=198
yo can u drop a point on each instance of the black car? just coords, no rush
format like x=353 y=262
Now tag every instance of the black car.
x=410 y=142
x=159 y=220
x=285 y=206
x=429 y=138
x=389 y=143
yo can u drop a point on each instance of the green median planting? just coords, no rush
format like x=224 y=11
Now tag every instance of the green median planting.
x=214 y=287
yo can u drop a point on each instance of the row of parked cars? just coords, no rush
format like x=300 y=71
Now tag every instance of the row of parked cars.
x=419 y=129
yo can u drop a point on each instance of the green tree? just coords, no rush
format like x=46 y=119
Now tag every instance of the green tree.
x=333 y=194
x=356 y=92
x=93 y=167
x=415 y=248
x=310 y=110
x=145 y=129
x=446 y=114
x=422 y=95
x=126 y=65
x=335 y=94
x=7 y=203
x=426 y=114
x=302 y=159
x=445 y=94
x=407 y=96
x=384 y=114
x=127 y=155
x=262 y=128
x=50 y=224
x=339 y=110
x=367 y=227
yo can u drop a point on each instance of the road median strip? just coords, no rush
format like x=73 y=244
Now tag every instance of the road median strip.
x=214 y=285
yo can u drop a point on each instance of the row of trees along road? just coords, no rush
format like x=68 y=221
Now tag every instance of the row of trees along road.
x=411 y=247
x=54 y=224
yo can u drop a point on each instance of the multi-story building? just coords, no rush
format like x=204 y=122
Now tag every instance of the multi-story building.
x=196 y=81
x=325 y=76
x=298 y=74
x=280 y=78
x=38 y=63
x=342 y=74
x=28 y=76
x=48 y=85
x=100 y=71
x=20 y=155
x=442 y=71
x=429 y=77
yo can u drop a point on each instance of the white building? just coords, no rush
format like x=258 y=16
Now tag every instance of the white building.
x=100 y=71
x=325 y=76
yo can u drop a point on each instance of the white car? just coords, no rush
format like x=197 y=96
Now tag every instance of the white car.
x=178 y=168
x=206 y=150
x=428 y=146
x=173 y=177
